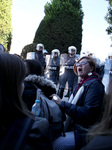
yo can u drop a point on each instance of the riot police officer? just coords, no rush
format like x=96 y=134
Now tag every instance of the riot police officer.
x=39 y=55
x=45 y=52
x=107 y=69
x=99 y=65
x=110 y=55
x=69 y=75
x=54 y=66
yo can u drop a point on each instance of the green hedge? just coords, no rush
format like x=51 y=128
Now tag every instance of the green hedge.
x=5 y=23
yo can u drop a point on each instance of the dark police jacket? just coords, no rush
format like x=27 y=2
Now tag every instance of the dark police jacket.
x=40 y=57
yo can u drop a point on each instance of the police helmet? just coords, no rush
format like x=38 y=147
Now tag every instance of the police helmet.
x=84 y=53
x=91 y=54
x=109 y=54
x=40 y=47
x=45 y=51
x=72 y=48
x=55 y=51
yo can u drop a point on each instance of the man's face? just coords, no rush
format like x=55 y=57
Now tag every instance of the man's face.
x=72 y=51
x=55 y=54
x=40 y=48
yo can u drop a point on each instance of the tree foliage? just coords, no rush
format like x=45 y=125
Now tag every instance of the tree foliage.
x=109 y=17
x=62 y=25
x=5 y=23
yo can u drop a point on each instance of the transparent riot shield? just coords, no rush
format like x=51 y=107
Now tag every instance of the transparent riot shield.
x=30 y=55
x=63 y=57
x=48 y=62
x=46 y=72
x=62 y=62
x=107 y=71
x=52 y=69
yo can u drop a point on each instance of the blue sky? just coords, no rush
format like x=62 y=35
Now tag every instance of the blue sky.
x=27 y=15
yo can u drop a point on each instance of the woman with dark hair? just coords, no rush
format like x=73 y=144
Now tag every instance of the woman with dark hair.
x=33 y=67
x=84 y=105
x=18 y=129
x=34 y=79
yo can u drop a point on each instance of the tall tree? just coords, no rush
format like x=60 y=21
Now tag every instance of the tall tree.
x=61 y=26
x=5 y=23
x=109 y=17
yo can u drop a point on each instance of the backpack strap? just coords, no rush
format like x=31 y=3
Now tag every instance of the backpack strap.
x=17 y=134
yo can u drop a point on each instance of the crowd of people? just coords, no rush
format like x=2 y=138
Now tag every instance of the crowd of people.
x=88 y=121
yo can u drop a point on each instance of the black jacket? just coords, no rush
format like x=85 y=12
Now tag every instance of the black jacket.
x=32 y=82
x=100 y=143
x=25 y=134
x=40 y=57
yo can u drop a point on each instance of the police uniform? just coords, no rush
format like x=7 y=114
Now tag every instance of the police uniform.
x=54 y=66
x=69 y=75
x=39 y=55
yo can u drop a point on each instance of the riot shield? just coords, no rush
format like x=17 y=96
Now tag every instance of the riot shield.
x=30 y=55
x=46 y=72
x=48 y=59
x=107 y=70
x=63 y=58
x=62 y=62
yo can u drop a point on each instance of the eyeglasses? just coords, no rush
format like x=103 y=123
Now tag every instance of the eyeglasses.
x=81 y=63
